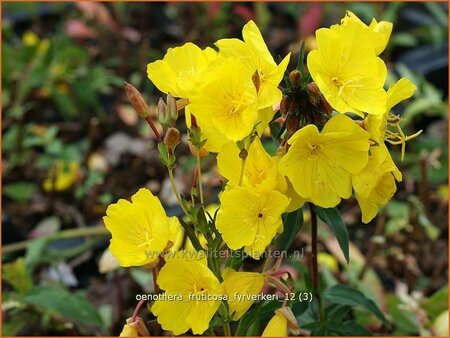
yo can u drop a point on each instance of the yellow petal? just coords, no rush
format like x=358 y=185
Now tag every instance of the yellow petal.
x=277 y=327
x=239 y=286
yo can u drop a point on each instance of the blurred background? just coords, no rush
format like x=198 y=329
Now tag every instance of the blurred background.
x=72 y=144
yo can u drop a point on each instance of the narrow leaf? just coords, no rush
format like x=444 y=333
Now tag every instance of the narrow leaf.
x=292 y=223
x=345 y=295
x=332 y=218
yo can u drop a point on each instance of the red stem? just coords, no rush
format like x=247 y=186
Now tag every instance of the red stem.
x=150 y=123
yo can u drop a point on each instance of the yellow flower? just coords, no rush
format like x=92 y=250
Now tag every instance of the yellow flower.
x=250 y=218
x=255 y=54
x=195 y=293
x=277 y=326
x=260 y=169
x=227 y=100
x=129 y=331
x=379 y=32
x=386 y=127
x=328 y=260
x=140 y=229
x=375 y=185
x=30 y=39
x=347 y=71
x=180 y=71
x=319 y=165
x=63 y=178
x=215 y=139
x=239 y=287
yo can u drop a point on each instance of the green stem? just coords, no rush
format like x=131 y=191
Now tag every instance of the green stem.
x=70 y=233
x=227 y=329
x=241 y=176
x=314 y=264
x=175 y=191
x=199 y=178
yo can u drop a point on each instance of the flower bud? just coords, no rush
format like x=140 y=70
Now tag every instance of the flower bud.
x=202 y=152
x=326 y=108
x=289 y=315
x=243 y=153
x=162 y=112
x=284 y=105
x=292 y=124
x=295 y=77
x=172 y=138
x=312 y=88
x=172 y=111
x=137 y=100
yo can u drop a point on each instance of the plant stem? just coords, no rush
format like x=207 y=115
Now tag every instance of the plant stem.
x=199 y=180
x=155 y=131
x=227 y=329
x=314 y=265
x=241 y=176
x=70 y=233
x=175 y=191
x=136 y=310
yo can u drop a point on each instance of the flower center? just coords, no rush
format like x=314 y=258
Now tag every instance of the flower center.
x=314 y=150
x=148 y=241
x=343 y=84
x=394 y=134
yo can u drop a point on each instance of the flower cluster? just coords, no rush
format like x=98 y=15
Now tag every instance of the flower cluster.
x=334 y=120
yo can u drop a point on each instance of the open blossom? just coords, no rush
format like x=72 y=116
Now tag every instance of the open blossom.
x=227 y=99
x=195 y=290
x=347 y=70
x=180 y=71
x=250 y=218
x=140 y=229
x=260 y=171
x=320 y=164
x=379 y=32
x=375 y=185
x=256 y=56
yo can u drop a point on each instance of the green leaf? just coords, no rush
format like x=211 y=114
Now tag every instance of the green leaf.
x=404 y=320
x=17 y=274
x=20 y=191
x=61 y=301
x=345 y=295
x=437 y=303
x=35 y=251
x=292 y=223
x=301 y=58
x=333 y=219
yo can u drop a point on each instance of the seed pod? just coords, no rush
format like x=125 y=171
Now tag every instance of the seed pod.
x=326 y=108
x=172 y=137
x=137 y=100
x=295 y=77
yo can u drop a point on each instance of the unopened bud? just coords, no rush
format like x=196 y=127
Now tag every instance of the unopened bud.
x=284 y=105
x=292 y=124
x=312 y=88
x=172 y=110
x=202 y=152
x=172 y=138
x=137 y=100
x=295 y=77
x=243 y=153
x=256 y=80
x=162 y=112
x=326 y=108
